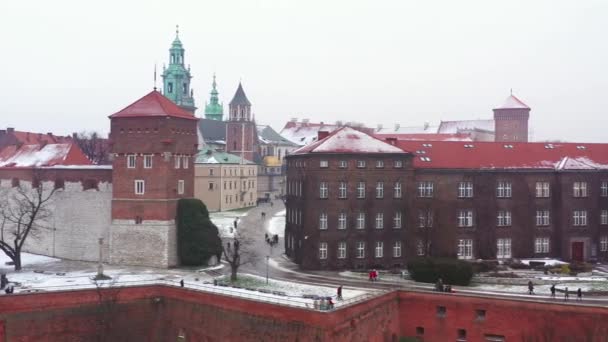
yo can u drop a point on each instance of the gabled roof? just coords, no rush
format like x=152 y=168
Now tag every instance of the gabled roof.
x=240 y=99
x=453 y=127
x=153 y=104
x=268 y=135
x=36 y=155
x=349 y=140
x=208 y=155
x=513 y=102
x=507 y=155
x=212 y=130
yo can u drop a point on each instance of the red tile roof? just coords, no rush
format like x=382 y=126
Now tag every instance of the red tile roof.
x=41 y=155
x=499 y=155
x=513 y=102
x=349 y=140
x=39 y=138
x=426 y=136
x=153 y=104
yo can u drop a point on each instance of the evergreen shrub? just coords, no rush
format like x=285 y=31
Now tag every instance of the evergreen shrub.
x=451 y=271
x=198 y=238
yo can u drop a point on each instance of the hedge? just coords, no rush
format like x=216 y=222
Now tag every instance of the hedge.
x=451 y=271
x=197 y=237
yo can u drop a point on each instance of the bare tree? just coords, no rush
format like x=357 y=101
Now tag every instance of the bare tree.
x=93 y=146
x=23 y=211
x=239 y=251
x=107 y=304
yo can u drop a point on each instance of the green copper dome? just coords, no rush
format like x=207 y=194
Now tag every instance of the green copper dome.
x=176 y=78
x=214 y=110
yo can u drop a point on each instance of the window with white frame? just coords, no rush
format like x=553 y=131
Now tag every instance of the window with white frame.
x=604 y=217
x=180 y=187
x=465 y=249
x=503 y=248
x=361 y=164
x=543 y=189
x=604 y=189
x=343 y=164
x=579 y=189
x=342 y=190
x=379 y=250
x=324 y=163
x=465 y=218
x=342 y=220
x=397 y=249
x=397 y=220
x=210 y=172
x=379 y=164
x=360 y=220
x=420 y=247
x=579 y=218
x=379 y=220
x=425 y=218
x=361 y=190
x=543 y=218
x=465 y=189
x=425 y=189
x=504 y=218
x=503 y=189
x=323 y=190
x=341 y=250
x=323 y=221
x=604 y=243
x=397 y=190
x=186 y=162
x=541 y=245
x=140 y=187
x=131 y=161
x=177 y=162
x=360 y=250
x=148 y=161
x=323 y=250
x=379 y=190
x=398 y=164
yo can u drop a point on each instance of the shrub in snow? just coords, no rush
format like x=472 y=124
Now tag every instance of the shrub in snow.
x=451 y=271
x=197 y=237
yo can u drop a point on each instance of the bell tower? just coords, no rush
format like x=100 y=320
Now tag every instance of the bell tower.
x=511 y=120
x=214 y=110
x=241 y=132
x=176 y=78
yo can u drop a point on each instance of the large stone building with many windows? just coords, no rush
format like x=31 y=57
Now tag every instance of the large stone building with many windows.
x=354 y=201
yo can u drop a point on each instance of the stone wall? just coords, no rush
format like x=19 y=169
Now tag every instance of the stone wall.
x=151 y=243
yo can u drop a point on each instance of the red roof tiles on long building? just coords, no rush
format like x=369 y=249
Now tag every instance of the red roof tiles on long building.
x=153 y=104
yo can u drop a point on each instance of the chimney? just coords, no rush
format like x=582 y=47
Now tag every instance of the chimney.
x=391 y=141
x=322 y=135
x=10 y=130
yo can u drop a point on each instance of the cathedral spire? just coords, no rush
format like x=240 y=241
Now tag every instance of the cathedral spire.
x=176 y=77
x=214 y=110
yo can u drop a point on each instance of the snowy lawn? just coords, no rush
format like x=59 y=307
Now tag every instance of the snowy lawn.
x=547 y=261
x=276 y=224
x=224 y=220
x=27 y=259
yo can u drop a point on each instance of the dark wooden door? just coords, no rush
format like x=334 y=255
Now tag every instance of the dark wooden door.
x=577 y=251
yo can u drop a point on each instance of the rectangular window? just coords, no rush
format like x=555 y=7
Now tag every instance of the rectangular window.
x=542 y=190
x=503 y=189
x=360 y=250
x=541 y=245
x=579 y=218
x=398 y=164
x=379 y=220
x=361 y=164
x=379 y=250
x=177 y=160
x=186 y=162
x=462 y=335
x=504 y=218
x=465 y=218
x=342 y=221
x=379 y=190
x=503 y=248
x=465 y=189
x=542 y=218
x=180 y=187
x=323 y=250
x=323 y=190
x=579 y=189
x=361 y=190
x=604 y=189
x=379 y=164
x=397 y=190
x=397 y=220
x=361 y=220
x=604 y=217
x=342 y=250
x=425 y=189
x=397 y=249
x=420 y=248
x=343 y=164
x=323 y=221
x=211 y=186
x=131 y=158
x=140 y=187
x=604 y=243
x=324 y=164
x=342 y=190
x=210 y=172
x=441 y=311
x=148 y=161
x=425 y=218
x=465 y=249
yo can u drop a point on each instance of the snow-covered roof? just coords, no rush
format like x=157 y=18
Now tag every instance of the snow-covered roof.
x=349 y=140
x=513 y=102
x=304 y=134
x=427 y=137
x=35 y=155
x=453 y=127
x=267 y=135
x=208 y=155
x=398 y=129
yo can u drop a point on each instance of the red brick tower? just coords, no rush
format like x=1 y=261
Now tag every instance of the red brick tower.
x=153 y=143
x=511 y=120
x=241 y=133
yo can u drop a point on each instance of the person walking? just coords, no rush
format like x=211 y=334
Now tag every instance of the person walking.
x=235 y=222
x=566 y=295
x=371 y=275
x=339 y=296
x=330 y=303
x=553 y=291
x=579 y=294
x=439 y=285
x=181 y=283
x=530 y=287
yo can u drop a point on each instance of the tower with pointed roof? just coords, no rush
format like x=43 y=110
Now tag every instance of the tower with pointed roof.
x=214 y=110
x=511 y=120
x=241 y=132
x=176 y=77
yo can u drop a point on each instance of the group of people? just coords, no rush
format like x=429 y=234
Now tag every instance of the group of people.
x=579 y=292
x=271 y=240
x=373 y=275
x=440 y=287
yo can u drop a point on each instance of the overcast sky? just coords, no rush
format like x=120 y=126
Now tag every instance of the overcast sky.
x=67 y=65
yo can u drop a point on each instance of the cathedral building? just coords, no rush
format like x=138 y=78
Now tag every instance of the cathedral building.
x=176 y=78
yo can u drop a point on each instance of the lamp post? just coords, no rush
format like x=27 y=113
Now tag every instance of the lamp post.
x=267 y=261
x=100 y=266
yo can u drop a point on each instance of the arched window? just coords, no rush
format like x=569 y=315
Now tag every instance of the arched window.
x=172 y=58
x=170 y=87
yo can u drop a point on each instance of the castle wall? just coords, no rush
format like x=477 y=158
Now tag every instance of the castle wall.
x=151 y=243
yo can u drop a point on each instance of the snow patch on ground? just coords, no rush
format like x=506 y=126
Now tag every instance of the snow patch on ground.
x=224 y=220
x=548 y=262
x=276 y=225
x=27 y=259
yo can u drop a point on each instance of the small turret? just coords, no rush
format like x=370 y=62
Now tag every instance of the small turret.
x=214 y=110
